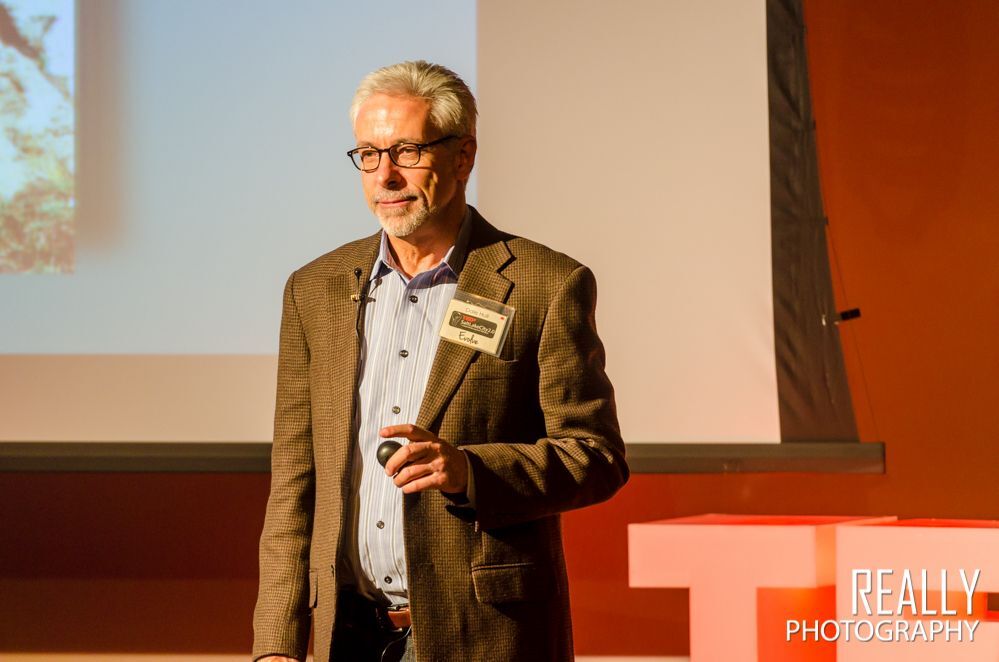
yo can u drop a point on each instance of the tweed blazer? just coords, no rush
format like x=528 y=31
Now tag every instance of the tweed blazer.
x=538 y=424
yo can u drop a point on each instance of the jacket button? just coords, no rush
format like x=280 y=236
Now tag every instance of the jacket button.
x=403 y=353
x=380 y=524
x=388 y=580
x=396 y=409
x=412 y=298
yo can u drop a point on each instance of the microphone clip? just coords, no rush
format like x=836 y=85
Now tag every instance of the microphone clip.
x=356 y=297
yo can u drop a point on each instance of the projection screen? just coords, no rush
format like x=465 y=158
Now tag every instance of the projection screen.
x=210 y=164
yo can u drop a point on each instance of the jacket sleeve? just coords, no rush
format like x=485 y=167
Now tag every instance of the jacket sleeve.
x=281 y=620
x=581 y=460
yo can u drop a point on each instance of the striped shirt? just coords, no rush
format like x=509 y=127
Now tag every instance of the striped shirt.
x=402 y=320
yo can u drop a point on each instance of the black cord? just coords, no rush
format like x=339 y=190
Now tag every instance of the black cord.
x=391 y=644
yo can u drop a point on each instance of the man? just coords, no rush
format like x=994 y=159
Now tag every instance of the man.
x=453 y=550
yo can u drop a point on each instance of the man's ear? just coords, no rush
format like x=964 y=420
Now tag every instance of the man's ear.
x=465 y=158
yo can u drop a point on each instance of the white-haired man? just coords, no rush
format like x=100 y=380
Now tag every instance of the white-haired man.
x=475 y=348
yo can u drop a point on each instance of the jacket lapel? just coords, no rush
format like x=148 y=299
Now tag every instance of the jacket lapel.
x=487 y=254
x=341 y=375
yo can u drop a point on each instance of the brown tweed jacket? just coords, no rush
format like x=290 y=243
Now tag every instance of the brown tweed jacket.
x=538 y=424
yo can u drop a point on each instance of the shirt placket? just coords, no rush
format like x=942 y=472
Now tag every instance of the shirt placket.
x=401 y=363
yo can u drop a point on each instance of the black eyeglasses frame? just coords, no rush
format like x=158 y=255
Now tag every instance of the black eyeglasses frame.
x=388 y=150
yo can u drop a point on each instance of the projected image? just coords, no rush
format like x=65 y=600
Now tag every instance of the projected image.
x=36 y=136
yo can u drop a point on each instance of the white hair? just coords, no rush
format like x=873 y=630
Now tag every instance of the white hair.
x=452 y=106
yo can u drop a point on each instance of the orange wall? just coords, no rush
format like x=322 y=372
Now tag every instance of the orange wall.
x=905 y=104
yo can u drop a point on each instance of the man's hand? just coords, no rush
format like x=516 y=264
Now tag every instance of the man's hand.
x=425 y=462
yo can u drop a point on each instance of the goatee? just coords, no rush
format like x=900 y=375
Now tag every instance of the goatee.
x=404 y=225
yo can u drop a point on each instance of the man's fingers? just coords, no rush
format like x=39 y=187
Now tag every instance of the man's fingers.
x=433 y=481
x=424 y=464
x=411 y=452
x=408 y=431
x=412 y=472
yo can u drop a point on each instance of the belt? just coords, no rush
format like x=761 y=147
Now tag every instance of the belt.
x=360 y=609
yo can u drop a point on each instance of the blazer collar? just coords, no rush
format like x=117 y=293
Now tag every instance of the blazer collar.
x=486 y=256
x=478 y=244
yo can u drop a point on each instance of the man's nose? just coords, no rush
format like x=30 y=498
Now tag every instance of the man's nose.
x=388 y=174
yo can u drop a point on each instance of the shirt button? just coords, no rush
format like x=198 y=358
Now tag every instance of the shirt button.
x=403 y=353
x=413 y=298
x=380 y=524
x=388 y=580
x=396 y=410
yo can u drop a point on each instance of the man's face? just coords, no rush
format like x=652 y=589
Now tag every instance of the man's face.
x=403 y=199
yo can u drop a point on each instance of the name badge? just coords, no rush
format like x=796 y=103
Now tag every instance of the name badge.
x=477 y=322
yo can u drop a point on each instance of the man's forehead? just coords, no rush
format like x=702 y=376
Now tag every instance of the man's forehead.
x=384 y=116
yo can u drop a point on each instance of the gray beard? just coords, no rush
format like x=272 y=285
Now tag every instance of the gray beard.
x=403 y=226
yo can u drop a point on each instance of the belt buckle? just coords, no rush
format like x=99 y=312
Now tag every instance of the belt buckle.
x=397 y=617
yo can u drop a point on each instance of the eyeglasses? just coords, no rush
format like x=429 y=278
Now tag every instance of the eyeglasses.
x=404 y=155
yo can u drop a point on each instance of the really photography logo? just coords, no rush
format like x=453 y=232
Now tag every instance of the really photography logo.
x=900 y=607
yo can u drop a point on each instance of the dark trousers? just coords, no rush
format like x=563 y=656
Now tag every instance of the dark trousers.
x=360 y=635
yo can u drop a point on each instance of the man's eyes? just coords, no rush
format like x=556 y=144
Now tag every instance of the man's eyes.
x=407 y=150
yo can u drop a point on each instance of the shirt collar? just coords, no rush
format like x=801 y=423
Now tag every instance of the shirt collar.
x=453 y=260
